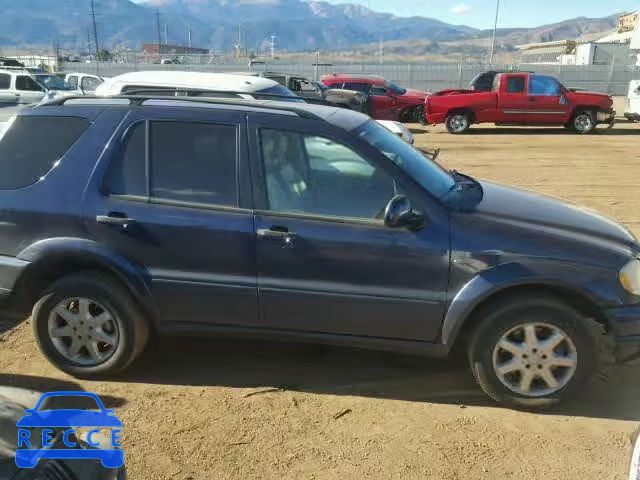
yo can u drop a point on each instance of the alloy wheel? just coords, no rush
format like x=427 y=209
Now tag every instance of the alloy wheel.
x=535 y=359
x=83 y=331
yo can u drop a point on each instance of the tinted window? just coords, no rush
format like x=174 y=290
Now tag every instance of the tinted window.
x=287 y=95
x=358 y=86
x=5 y=81
x=73 y=82
x=378 y=91
x=27 y=84
x=194 y=162
x=515 y=84
x=31 y=146
x=89 y=84
x=541 y=85
x=126 y=174
x=315 y=175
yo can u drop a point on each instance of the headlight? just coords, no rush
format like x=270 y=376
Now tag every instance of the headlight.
x=630 y=277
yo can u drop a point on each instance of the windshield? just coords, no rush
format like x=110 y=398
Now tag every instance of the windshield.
x=397 y=89
x=52 y=82
x=288 y=95
x=429 y=174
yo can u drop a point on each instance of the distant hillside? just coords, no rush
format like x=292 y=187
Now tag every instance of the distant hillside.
x=298 y=26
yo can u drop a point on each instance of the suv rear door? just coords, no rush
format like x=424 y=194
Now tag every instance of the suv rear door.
x=326 y=261
x=177 y=173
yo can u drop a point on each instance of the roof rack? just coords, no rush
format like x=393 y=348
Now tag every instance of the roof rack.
x=12 y=67
x=141 y=99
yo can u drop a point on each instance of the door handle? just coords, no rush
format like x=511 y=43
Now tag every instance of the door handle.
x=277 y=233
x=114 y=219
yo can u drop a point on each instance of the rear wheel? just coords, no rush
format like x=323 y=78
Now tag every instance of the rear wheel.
x=458 y=123
x=532 y=352
x=89 y=325
x=583 y=122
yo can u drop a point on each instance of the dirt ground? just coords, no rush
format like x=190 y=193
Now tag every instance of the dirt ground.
x=196 y=409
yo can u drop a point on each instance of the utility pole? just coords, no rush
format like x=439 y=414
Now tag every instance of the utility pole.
x=381 y=51
x=166 y=34
x=95 y=27
x=273 y=47
x=158 y=27
x=495 y=28
x=189 y=33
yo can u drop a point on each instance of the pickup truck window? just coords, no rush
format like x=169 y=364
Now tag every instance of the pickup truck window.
x=542 y=85
x=516 y=84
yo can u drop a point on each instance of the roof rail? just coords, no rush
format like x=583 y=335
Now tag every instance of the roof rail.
x=141 y=99
x=12 y=67
x=177 y=91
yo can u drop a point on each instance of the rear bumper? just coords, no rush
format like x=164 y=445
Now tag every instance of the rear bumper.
x=625 y=322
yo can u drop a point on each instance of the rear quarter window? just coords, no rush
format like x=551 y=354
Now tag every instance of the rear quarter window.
x=31 y=146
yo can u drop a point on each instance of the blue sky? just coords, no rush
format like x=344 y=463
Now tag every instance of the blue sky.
x=513 y=13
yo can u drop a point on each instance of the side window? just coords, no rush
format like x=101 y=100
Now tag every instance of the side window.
x=73 y=82
x=5 y=81
x=541 y=85
x=377 y=91
x=126 y=175
x=89 y=84
x=358 y=86
x=516 y=84
x=315 y=175
x=194 y=162
x=189 y=162
x=31 y=146
x=28 y=84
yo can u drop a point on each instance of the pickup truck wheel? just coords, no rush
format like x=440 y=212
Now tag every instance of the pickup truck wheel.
x=583 y=122
x=88 y=325
x=532 y=352
x=458 y=123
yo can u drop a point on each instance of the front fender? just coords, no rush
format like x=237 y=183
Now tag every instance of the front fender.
x=79 y=251
x=590 y=282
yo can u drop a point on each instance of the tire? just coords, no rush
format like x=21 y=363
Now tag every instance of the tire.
x=508 y=320
x=583 y=122
x=110 y=315
x=458 y=123
x=418 y=115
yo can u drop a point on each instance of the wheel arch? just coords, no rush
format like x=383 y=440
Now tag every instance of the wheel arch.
x=51 y=259
x=468 y=110
x=477 y=296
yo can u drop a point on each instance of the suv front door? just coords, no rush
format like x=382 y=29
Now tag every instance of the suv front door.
x=27 y=90
x=175 y=174
x=326 y=261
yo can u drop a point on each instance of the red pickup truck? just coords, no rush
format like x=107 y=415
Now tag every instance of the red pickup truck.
x=520 y=99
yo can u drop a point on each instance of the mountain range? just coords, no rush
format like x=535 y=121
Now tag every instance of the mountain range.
x=218 y=24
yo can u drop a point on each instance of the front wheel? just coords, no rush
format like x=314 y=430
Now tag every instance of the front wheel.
x=583 y=123
x=532 y=352
x=458 y=123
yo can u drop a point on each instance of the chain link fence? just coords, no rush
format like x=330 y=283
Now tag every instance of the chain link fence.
x=611 y=79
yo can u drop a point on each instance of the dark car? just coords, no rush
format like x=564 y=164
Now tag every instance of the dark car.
x=286 y=221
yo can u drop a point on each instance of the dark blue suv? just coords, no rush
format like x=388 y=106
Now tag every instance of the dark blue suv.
x=125 y=216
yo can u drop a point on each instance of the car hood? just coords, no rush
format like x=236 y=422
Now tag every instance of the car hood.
x=69 y=418
x=415 y=94
x=591 y=95
x=547 y=213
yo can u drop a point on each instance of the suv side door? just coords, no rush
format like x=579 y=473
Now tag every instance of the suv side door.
x=168 y=195
x=326 y=261
x=6 y=94
x=27 y=90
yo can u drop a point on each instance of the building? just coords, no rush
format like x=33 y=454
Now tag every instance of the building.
x=627 y=22
x=547 y=52
x=165 y=49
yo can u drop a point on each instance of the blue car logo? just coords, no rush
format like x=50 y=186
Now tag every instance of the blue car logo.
x=67 y=419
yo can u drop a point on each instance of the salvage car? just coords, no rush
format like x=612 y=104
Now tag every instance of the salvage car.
x=291 y=221
x=387 y=100
x=83 y=83
x=520 y=99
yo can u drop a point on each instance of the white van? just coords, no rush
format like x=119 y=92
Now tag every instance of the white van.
x=188 y=84
x=632 y=111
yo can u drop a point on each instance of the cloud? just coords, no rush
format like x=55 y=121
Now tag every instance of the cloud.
x=461 y=8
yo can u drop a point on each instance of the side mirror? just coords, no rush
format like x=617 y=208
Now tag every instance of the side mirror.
x=399 y=213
